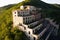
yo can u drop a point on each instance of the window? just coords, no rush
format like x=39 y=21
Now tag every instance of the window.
x=15 y=12
x=54 y=27
x=29 y=36
x=53 y=20
x=34 y=38
x=20 y=24
x=24 y=28
x=26 y=19
x=20 y=13
x=28 y=26
x=15 y=15
x=33 y=31
x=29 y=32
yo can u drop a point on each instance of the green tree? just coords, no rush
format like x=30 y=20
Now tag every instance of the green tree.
x=7 y=38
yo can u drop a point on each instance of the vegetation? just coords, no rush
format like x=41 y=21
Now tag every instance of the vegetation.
x=7 y=32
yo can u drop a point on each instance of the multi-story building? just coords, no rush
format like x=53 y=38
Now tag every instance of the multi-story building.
x=29 y=20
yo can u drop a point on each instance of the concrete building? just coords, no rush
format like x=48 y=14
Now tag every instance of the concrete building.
x=30 y=21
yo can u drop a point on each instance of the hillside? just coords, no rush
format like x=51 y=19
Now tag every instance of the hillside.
x=41 y=4
x=6 y=30
x=57 y=5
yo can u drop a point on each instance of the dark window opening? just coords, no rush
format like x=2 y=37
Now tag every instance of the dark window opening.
x=29 y=36
x=25 y=28
x=28 y=26
x=54 y=20
x=15 y=15
x=20 y=24
x=33 y=31
x=54 y=27
x=19 y=14
x=15 y=12
x=34 y=38
x=29 y=32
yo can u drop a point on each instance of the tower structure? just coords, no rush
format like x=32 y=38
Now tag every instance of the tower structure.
x=29 y=20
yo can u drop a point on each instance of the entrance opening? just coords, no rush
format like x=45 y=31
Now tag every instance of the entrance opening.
x=34 y=38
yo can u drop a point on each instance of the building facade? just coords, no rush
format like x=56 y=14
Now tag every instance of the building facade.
x=29 y=20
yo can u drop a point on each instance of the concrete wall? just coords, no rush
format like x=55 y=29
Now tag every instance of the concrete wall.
x=16 y=19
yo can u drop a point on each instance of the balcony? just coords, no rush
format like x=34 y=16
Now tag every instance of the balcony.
x=35 y=24
x=46 y=33
x=45 y=26
x=38 y=31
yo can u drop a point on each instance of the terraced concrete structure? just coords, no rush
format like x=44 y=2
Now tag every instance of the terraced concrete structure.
x=29 y=19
